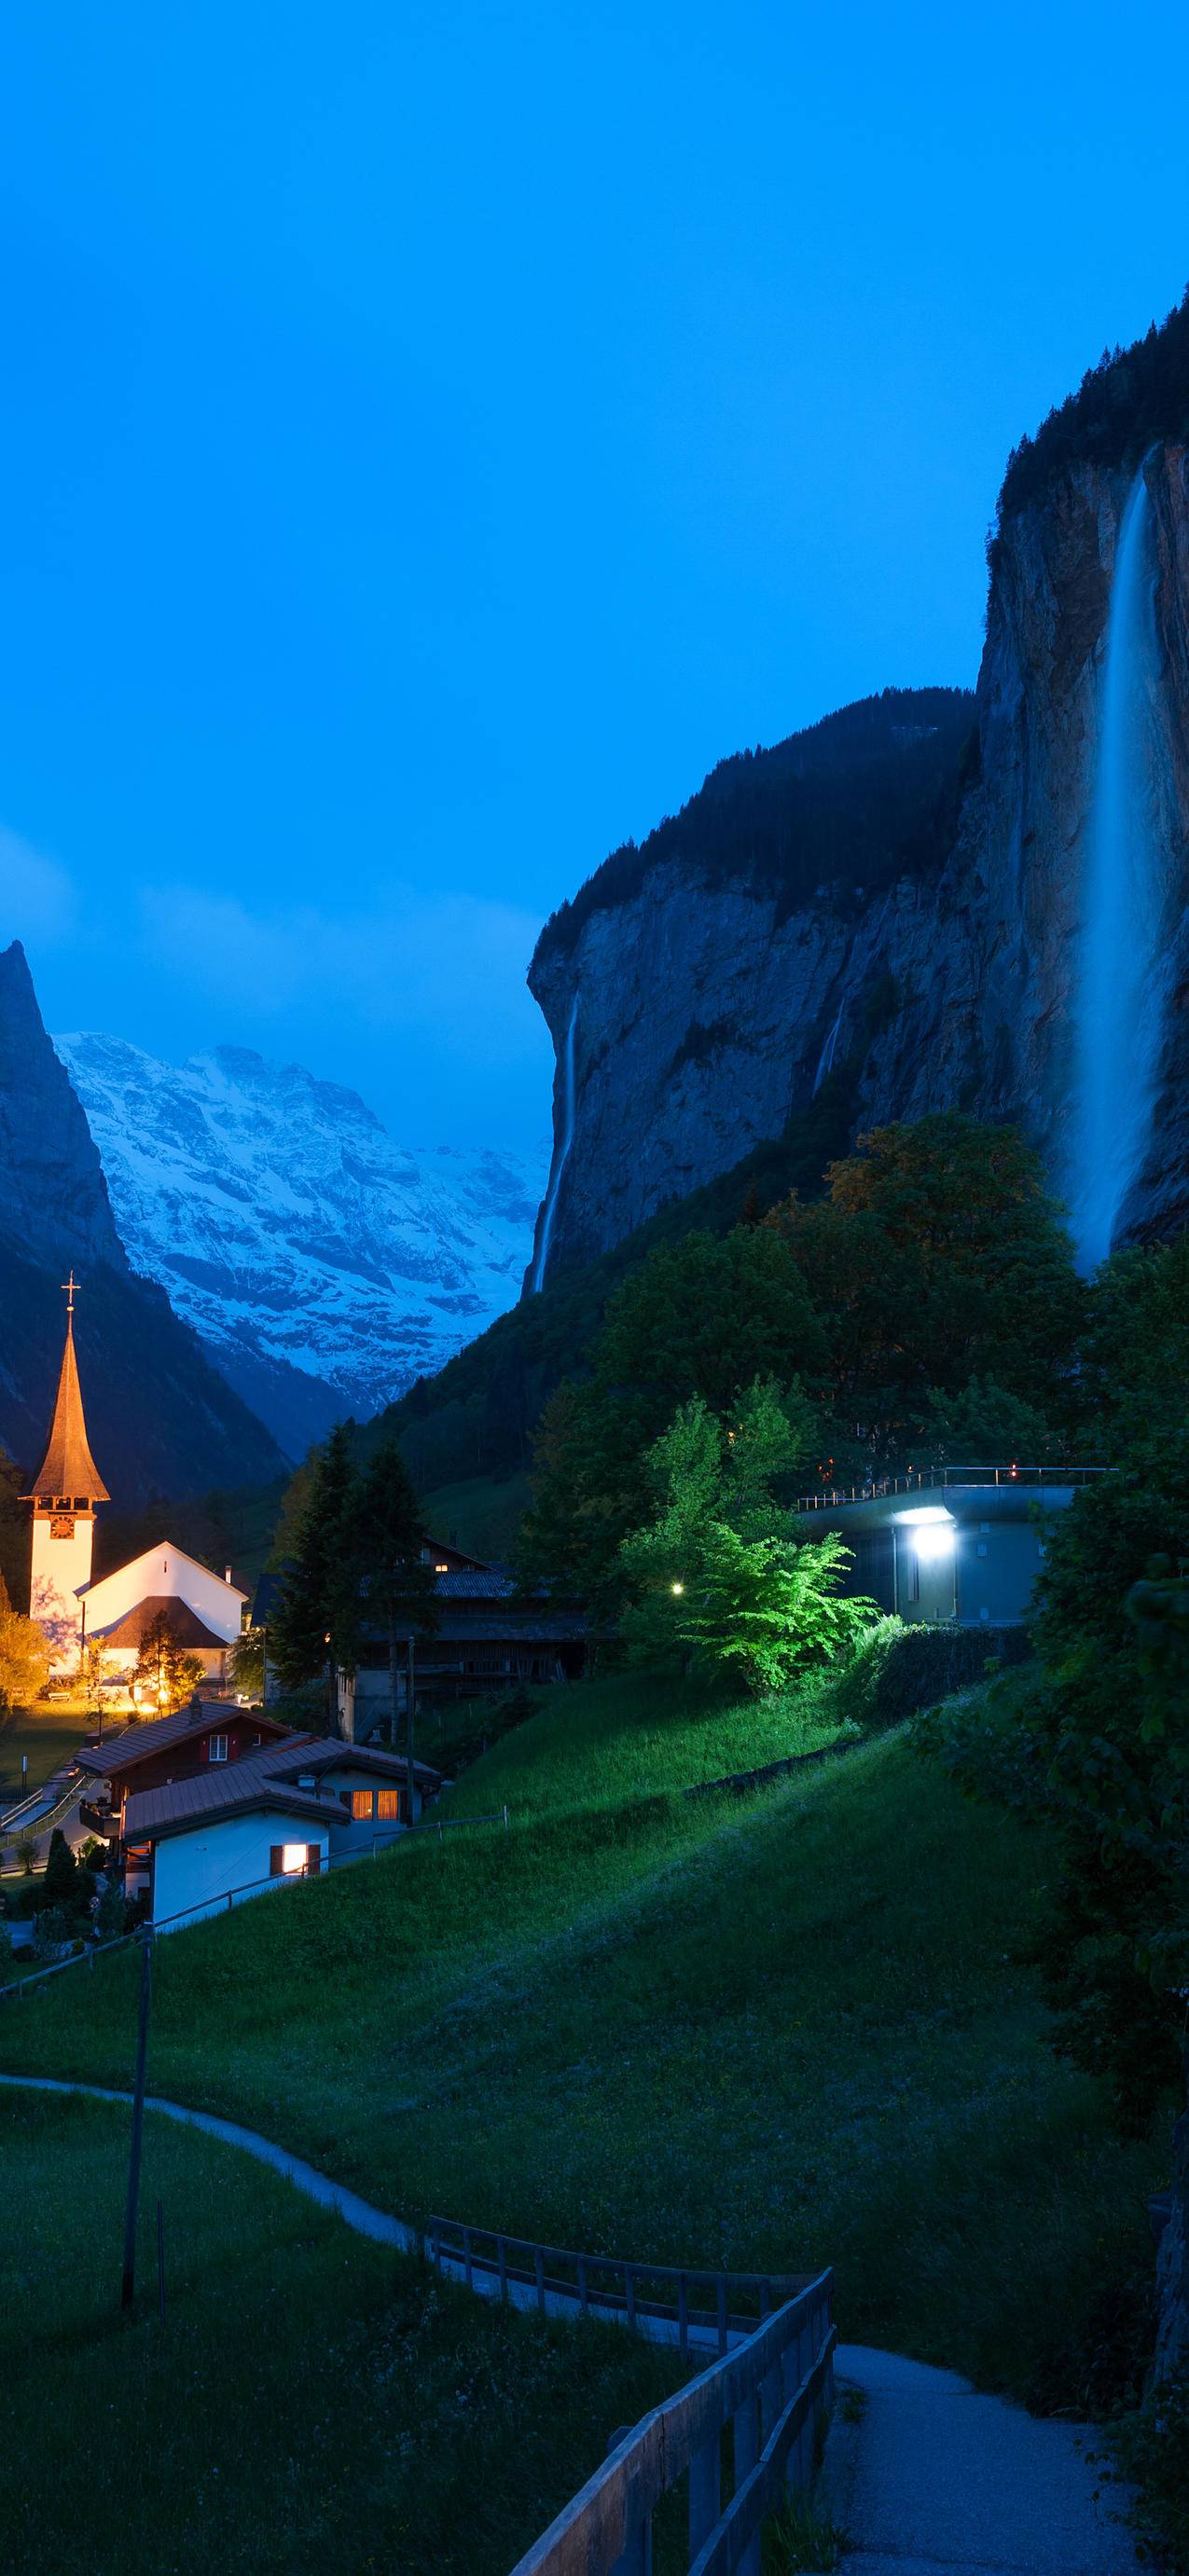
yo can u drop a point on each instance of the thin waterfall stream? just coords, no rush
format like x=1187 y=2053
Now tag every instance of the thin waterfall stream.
x=561 y=1152
x=1116 y=1017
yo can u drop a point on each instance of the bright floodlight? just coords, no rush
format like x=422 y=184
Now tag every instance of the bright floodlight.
x=933 y=1540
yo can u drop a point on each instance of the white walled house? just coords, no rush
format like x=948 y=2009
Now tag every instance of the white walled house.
x=205 y=1610
x=205 y=1843
x=287 y=1811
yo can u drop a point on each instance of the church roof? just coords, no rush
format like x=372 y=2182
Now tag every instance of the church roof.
x=68 y=1467
x=185 y=1626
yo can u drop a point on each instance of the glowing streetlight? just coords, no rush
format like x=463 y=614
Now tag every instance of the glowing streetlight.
x=677 y=1587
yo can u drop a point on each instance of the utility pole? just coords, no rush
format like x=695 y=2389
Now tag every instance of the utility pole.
x=128 y=2285
x=411 y=1699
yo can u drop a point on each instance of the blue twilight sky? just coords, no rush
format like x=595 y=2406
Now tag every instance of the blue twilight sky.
x=433 y=434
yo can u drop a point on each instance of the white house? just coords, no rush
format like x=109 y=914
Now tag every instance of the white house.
x=288 y=1811
x=205 y=1610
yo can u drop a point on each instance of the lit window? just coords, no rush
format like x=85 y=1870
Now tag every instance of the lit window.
x=387 y=1804
x=441 y=1569
x=216 y=1750
x=361 y=1804
x=293 y=1859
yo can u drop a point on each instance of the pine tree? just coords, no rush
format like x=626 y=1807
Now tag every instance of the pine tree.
x=165 y=1673
x=315 y=1626
x=399 y=1588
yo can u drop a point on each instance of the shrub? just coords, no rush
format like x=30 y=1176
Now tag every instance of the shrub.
x=898 y=1670
x=1153 y=2452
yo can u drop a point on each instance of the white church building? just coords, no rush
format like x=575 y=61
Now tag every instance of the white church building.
x=205 y=1610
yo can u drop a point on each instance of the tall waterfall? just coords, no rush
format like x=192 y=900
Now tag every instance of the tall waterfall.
x=1116 y=1014
x=560 y=1153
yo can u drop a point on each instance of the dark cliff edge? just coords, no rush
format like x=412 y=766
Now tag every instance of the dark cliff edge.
x=161 y=1419
x=898 y=889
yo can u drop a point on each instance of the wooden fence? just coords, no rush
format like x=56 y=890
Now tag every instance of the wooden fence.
x=703 y=2307
x=771 y=2391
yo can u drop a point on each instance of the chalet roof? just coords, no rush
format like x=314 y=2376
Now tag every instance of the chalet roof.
x=68 y=1467
x=110 y=1761
x=321 y=1753
x=159 y=1548
x=185 y=1626
x=264 y=1779
x=212 y=1795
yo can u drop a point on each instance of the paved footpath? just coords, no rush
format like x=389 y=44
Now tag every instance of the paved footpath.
x=935 y=2480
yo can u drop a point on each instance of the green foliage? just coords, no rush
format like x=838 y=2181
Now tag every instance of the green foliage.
x=111 y=1915
x=1101 y=1743
x=60 y=1881
x=867 y=795
x=317 y=1616
x=24 y=1656
x=1131 y=399
x=897 y=1670
x=984 y=1424
x=247 y=1662
x=936 y=1261
x=1152 y=2451
x=166 y=1674
x=702 y=1319
x=717 y=1574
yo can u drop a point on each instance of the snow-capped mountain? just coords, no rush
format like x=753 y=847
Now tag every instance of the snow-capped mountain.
x=323 y=1266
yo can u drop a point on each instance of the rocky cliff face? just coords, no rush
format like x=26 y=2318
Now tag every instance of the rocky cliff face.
x=53 y=1199
x=161 y=1420
x=709 y=1007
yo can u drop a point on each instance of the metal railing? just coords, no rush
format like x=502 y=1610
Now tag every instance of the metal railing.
x=772 y=2390
x=920 y=1480
x=613 y=2285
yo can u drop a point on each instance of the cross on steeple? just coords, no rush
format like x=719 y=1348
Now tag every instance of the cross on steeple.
x=70 y=1287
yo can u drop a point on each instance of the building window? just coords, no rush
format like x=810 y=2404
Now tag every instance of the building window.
x=981 y=1549
x=387 y=1805
x=985 y=1527
x=914 y=1576
x=984 y=1614
x=441 y=1569
x=293 y=1860
x=361 y=1804
x=216 y=1750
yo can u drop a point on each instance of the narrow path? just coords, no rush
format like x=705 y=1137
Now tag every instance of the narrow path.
x=936 y=2480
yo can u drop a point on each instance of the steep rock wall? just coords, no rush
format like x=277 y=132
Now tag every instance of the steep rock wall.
x=707 y=1013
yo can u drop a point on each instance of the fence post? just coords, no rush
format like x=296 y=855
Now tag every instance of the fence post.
x=636 y=2558
x=629 y=2293
x=722 y=2312
x=583 y=2293
x=705 y=2497
x=745 y=2452
x=682 y=2313
x=539 y=2268
x=502 y=2252
x=468 y=2258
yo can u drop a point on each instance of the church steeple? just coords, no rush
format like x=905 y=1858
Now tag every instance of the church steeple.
x=69 y=1477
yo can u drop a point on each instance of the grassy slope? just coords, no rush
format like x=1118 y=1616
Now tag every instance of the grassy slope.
x=46 y=1735
x=361 y=2415
x=778 y=2030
